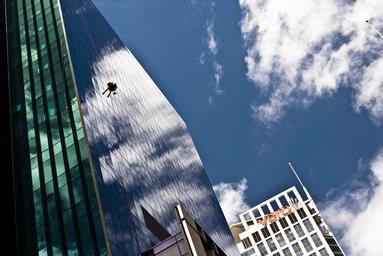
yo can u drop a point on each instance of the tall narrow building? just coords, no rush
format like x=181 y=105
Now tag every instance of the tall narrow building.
x=285 y=225
x=95 y=174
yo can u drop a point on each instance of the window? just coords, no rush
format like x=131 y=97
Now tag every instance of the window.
x=290 y=234
x=324 y=230
x=274 y=205
x=247 y=216
x=283 y=223
x=276 y=254
x=256 y=213
x=280 y=239
x=318 y=219
x=271 y=244
x=246 y=243
x=274 y=227
x=292 y=217
x=323 y=252
x=35 y=179
x=287 y=252
x=308 y=225
x=18 y=107
x=51 y=111
x=265 y=209
x=291 y=195
x=331 y=241
x=313 y=254
x=265 y=232
x=312 y=210
x=316 y=239
x=248 y=253
x=307 y=245
x=302 y=213
x=257 y=237
x=297 y=249
x=283 y=201
x=262 y=249
x=335 y=249
x=299 y=230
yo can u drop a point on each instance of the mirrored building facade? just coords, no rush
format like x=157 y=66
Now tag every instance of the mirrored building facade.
x=95 y=175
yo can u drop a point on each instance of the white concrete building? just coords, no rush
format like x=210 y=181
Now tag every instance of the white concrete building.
x=285 y=225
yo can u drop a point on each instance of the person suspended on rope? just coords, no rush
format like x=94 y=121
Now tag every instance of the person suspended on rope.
x=112 y=87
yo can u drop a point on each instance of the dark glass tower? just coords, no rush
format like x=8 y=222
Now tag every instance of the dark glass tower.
x=95 y=175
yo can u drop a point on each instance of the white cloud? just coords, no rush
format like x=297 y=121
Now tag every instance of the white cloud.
x=218 y=74
x=212 y=45
x=231 y=197
x=202 y=58
x=370 y=94
x=300 y=50
x=210 y=100
x=357 y=213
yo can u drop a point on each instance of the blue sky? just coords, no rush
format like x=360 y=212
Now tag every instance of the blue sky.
x=257 y=92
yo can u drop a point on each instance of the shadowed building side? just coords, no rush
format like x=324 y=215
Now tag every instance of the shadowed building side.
x=7 y=187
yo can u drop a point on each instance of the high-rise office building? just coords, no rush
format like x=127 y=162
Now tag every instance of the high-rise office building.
x=95 y=174
x=285 y=225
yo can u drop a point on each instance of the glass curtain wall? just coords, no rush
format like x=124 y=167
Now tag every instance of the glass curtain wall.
x=56 y=203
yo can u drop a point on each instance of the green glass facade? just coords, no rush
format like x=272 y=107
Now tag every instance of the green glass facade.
x=56 y=204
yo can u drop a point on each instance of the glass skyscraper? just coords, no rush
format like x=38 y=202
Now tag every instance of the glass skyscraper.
x=95 y=175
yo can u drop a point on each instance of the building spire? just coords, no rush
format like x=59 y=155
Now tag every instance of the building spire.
x=303 y=186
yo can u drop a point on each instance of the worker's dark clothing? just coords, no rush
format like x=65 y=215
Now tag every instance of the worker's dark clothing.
x=112 y=87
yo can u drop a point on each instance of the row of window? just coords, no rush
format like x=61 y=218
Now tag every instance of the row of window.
x=281 y=241
x=298 y=252
x=290 y=235
x=292 y=217
x=273 y=206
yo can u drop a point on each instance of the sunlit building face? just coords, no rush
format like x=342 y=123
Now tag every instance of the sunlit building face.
x=285 y=225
